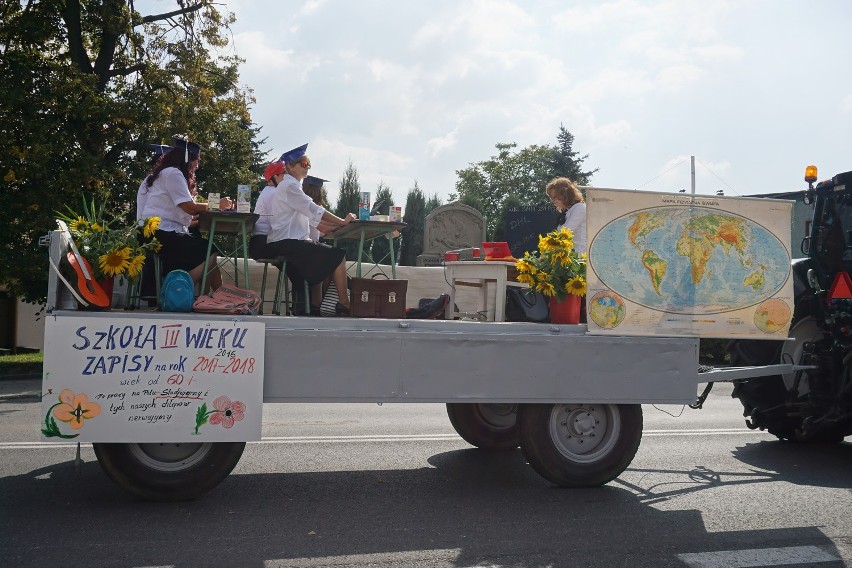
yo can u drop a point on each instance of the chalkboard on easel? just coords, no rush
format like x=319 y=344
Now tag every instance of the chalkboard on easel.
x=524 y=223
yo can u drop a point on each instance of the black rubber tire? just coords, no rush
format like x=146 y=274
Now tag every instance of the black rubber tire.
x=762 y=398
x=486 y=426
x=169 y=471
x=580 y=445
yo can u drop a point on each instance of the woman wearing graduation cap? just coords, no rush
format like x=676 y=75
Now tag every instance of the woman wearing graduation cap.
x=169 y=197
x=293 y=215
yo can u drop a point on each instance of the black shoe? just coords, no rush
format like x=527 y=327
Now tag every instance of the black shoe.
x=316 y=312
x=341 y=310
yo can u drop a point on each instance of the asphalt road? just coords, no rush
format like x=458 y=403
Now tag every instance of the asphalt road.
x=392 y=485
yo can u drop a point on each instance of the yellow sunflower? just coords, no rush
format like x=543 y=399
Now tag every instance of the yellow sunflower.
x=77 y=225
x=115 y=261
x=576 y=286
x=546 y=288
x=134 y=267
x=150 y=227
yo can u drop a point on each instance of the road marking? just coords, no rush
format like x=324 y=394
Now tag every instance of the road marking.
x=367 y=438
x=758 y=557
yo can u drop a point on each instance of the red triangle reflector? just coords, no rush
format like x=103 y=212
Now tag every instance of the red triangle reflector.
x=841 y=287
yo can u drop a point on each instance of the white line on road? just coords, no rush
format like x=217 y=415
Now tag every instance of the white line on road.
x=382 y=438
x=758 y=557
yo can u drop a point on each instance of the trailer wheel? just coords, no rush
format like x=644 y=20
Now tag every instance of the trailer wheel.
x=580 y=445
x=169 y=471
x=486 y=426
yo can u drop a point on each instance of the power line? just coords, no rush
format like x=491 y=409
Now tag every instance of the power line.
x=661 y=174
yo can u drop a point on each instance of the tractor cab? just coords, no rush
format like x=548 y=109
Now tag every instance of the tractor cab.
x=829 y=242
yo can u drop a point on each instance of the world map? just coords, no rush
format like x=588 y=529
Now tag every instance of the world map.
x=690 y=260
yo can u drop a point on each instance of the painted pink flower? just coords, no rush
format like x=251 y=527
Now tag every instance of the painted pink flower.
x=227 y=412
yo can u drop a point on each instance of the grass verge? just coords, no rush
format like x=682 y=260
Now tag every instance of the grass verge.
x=21 y=364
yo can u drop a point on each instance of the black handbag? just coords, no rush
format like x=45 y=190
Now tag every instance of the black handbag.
x=525 y=304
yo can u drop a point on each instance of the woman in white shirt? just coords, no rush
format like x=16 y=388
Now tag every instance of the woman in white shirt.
x=566 y=197
x=273 y=174
x=166 y=194
x=293 y=215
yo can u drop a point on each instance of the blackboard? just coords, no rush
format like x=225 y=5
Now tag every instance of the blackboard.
x=525 y=223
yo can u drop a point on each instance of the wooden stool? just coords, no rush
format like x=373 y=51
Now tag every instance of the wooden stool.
x=283 y=286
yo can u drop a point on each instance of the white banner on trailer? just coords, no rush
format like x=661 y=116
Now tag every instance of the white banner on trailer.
x=113 y=379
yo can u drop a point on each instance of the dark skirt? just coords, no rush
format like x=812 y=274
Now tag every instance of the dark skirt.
x=257 y=247
x=312 y=261
x=181 y=251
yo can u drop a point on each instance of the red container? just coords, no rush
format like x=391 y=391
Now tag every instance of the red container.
x=497 y=250
x=451 y=256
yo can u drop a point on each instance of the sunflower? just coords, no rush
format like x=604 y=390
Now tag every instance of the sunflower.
x=78 y=224
x=576 y=286
x=115 y=262
x=546 y=288
x=134 y=267
x=150 y=227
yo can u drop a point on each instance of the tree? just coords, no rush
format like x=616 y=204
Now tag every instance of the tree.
x=566 y=162
x=517 y=177
x=380 y=247
x=432 y=203
x=412 y=234
x=134 y=80
x=347 y=202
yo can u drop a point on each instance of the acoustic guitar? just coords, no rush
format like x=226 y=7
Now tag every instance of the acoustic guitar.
x=78 y=275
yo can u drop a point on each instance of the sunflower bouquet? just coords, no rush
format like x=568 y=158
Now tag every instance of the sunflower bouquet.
x=111 y=245
x=556 y=268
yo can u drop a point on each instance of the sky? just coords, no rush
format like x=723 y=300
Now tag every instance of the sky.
x=414 y=91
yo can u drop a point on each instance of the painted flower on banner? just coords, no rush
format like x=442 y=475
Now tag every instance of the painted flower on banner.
x=225 y=412
x=72 y=409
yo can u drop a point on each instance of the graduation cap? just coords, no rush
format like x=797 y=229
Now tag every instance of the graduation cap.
x=313 y=180
x=191 y=149
x=159 y=149
x=294 y=154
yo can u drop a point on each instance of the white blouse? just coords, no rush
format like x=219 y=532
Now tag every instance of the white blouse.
x=293 y=212
x=575 y=220
x=263 y=207
x=168 y=191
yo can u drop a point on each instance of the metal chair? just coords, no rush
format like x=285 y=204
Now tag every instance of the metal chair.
x=282 y=289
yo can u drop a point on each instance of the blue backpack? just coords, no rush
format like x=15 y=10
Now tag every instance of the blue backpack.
x=177 y=292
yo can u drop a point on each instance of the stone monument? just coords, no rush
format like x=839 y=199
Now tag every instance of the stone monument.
x=449 y=227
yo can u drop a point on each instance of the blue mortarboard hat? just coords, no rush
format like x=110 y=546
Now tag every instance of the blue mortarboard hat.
x=159 y=149
x=294 y=154
x=313 y=180
x=191 y=149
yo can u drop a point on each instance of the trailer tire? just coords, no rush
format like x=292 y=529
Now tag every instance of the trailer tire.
x=486 y=426
x=169 y=471
x=580 y=445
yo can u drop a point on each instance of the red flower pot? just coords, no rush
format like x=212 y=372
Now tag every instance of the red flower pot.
x=565 y=311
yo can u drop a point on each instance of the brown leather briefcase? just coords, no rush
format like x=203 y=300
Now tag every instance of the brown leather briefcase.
x=378 y=298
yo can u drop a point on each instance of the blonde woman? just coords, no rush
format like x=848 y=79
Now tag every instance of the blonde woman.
x=566 y=197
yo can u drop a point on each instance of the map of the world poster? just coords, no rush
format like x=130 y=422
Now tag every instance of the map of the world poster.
x=674 y=264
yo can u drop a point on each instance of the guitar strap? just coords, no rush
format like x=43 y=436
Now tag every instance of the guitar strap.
x=76 y=252
x=67 y=284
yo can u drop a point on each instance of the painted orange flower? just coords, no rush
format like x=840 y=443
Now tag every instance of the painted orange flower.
x=75 y=408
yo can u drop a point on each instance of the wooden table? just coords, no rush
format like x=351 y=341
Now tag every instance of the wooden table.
x=480 y=273
x=365 y=232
